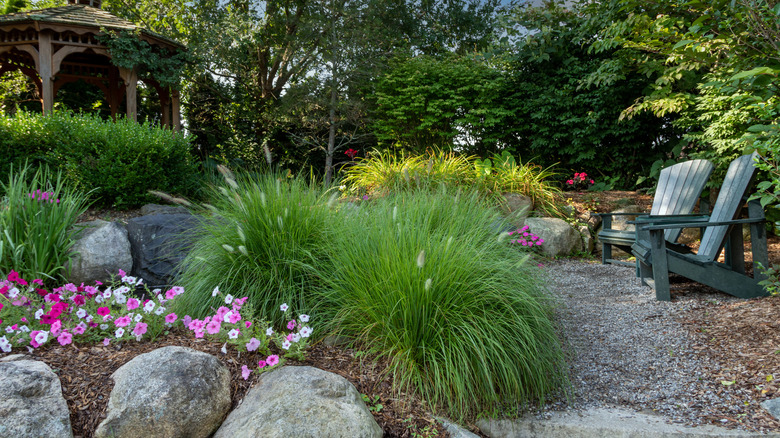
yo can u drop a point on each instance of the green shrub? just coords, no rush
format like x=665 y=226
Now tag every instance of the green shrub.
x=37 y=214
x=464 y=320
x=118 y=162
x=385 y=172
x=265 y=239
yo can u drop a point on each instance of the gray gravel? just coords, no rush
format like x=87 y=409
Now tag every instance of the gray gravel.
x=626 y=348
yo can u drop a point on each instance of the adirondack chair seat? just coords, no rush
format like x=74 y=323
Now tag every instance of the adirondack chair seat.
x=677 y=192
x=656 y=257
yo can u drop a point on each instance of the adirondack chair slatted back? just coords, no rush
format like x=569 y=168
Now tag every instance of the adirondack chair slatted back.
x=678 y=189
x=727 y=206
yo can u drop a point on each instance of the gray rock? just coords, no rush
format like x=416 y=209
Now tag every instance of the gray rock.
x=455 y=430
x=31 y=402
x=170 y=392
x=150 y=209
x=517 y=207
x=300 y=402
x=560 y=239
x=773 y=407
x=159 y=243
x=588 y=242
x=102 y=250
x=621 y=222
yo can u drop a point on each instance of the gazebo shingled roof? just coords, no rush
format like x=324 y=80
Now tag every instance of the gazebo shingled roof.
x=58 y=45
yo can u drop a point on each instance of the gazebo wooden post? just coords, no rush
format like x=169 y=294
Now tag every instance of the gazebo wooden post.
x=165 y=105
x=130 y=78
x=176 y=109
x=44 y=67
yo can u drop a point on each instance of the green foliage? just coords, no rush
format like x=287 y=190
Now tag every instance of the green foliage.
x=118 y=162
x=561 y=114
x=421 y=279
x=37 y=214
x=128 y=50
x=265 y=238
x=385 y=172
x=426 y=102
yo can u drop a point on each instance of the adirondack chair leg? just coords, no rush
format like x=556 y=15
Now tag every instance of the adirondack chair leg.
x=606 y=248
x=758 y=242
x=606 y=253
x=735 y=247
x=660 y=266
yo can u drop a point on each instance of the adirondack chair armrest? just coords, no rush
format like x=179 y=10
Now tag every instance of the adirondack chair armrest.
x=670 y=218
x=699 y=224
x=620 y=214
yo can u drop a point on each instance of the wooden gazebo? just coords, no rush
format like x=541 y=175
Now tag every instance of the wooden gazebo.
x=55 y=46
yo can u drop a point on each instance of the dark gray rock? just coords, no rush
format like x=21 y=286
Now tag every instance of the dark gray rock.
x=159 y=243
x=300 y=402
x=150 y=209
x=172 y=392
x=31 y=402
x=102 y=249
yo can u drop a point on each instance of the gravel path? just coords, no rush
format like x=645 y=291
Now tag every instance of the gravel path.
x=627 y=349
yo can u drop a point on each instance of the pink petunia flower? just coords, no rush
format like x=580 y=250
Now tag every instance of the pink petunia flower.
x=139 y=329
x=103 y=311
x=65 y=338
x=170 y=318
x=132 y=303
x=261 y=364
x=272 y=360
x=123 y=321
x=213 y=327
x=245 y=372
x=252 y=345
x=291 y=325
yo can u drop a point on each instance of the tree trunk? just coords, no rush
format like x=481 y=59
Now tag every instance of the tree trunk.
x=331 y=136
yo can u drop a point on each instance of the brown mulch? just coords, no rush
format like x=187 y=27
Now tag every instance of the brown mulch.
x=85 y=373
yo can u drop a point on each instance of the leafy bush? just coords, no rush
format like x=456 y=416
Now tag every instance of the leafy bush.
x=385 y=172
x=118 y=162
x=264 y=239
x=37 y=214
x=421 y=279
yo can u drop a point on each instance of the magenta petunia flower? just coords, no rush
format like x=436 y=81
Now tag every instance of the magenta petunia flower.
x=261 y=364
x=123 y=321
x=272 y=360
x=291 y=325
x=103 y=311
x=170 y=318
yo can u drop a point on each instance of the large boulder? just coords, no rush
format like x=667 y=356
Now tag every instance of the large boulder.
x=560 y=239
x=300 y=402
x=159 y=243
x=517 y=207
x=31 y=402
x=102 y=249
x=169 y=392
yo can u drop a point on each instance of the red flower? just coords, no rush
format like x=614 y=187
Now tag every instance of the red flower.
x=351 y=153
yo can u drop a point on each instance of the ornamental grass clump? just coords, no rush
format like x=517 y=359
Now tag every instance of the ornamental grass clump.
x=385 y=172
x=264 y=238
x=37 y=214
x=422 y=279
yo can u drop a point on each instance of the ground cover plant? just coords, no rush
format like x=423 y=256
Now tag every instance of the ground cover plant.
x=37 y=214
x=32 y=316
x=461 y=316
x=262 y=238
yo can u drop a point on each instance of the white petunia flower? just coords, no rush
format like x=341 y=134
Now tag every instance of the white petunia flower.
x=159 y=311
x=148 y=306
x=295 y=337
x=42 y=337
x=286 y=345
x=215 y=292
x=306 y=332
x=119 y=332
x=228 y=299
x=81 y=313
x=269 y=332
x=233 y=334
x=39 y=314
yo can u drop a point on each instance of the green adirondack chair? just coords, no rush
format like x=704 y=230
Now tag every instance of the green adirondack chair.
x=657 y=258
x=677 y=191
